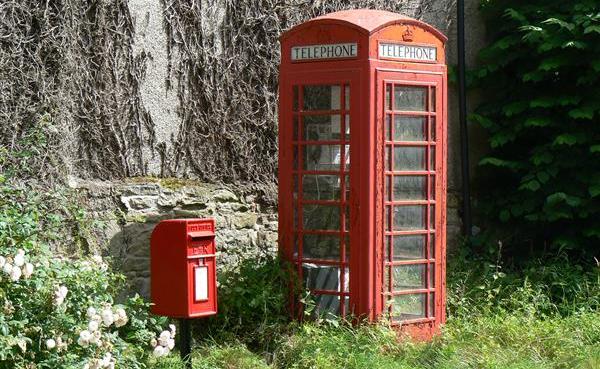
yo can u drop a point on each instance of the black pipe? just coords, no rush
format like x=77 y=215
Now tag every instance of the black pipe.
x=462 y=116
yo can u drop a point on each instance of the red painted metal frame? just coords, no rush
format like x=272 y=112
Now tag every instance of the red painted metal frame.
x=366 y=75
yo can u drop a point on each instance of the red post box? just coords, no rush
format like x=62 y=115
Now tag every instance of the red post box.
x=183 y=280
x=362 y=165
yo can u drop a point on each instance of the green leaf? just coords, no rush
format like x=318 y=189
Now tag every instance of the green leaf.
x=565 y=139
x=574 y=44
x=542 y=157
x=498 y=163
x=552 y=63
x=515 y=108
x=504 y=215
x=538 y=122
x=585 y=112
x=559 y=22
x=543 y=177
x=594 y=149
x=542 y=102
x=593 y=28
x=531 y=186
x=594 y=190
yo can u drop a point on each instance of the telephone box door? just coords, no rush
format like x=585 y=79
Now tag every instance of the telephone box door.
x=318 y=115
x=411 y=136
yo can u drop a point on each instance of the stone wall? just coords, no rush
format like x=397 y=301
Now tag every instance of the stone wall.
x=127 y=212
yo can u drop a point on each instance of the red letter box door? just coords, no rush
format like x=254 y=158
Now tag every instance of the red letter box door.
x=201 y=269
x=322 y=115
x=411 y=152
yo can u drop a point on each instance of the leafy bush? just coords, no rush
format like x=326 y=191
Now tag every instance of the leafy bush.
x=540 y=78
x=252 y=302
x=58 y=311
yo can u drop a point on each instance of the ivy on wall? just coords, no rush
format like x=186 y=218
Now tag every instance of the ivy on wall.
x=541 y=79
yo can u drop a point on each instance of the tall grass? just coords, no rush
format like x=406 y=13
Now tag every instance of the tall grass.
x=541 y=315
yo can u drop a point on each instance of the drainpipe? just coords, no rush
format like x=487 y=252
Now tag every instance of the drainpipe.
x=462 y=116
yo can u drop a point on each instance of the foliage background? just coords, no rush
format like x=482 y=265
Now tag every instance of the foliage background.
x=539 y=186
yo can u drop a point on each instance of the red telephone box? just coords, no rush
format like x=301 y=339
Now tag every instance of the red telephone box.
x=183 y=272
x=362 y=165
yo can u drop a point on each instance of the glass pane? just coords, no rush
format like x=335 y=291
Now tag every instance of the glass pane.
x=409 y=217
x=410 y=128
x=322 y=157
x=295 y=184
x=295 y=127
x=432 y=216
x=388 y=188
x=347 y=218
x=386 y=247
x=296 y=97
x=409 y=98
x=431 y=305
x=407 y=307
x=388 y=128
x=409 y=277
x=410 y=187
x=321 y=187
x=346 y=280
x=409 y=247
x=347 y=185
x=388 y=158
x=432 y=246
x=409 y=158
x=432 y=158
x=387 y=218
x=432 y=106
x=321 y=246
x=321 y=277
x=432 y=187
x=347 y=97
x=295 y=246
x=386 y=279
x=431 y=275
x=295 y=157
x=388 y=96
x=326 y=305
x=432 y=120
x=347 y=133
x=324 y=97
x=321 y=127
x=347 y=247
x=321 y=217
x=347 y=155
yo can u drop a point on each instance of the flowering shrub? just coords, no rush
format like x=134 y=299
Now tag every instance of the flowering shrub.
x=59 y=312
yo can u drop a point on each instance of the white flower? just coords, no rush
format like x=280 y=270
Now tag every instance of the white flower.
x=50 y=344
x=2 y=261
x=84 y=338
x=160 y=351
x=90 y=312
x=173 y=330
x=164 y=338
x=20 y=252
x=22 y=345
x=120 y=317
x=60 y=294
x=171 y=343
x=108 y=361
x=20 y=259
x=93 y=326
x=96 y=338
x=97 y=259
x=107 y=317
x=7 y=268
x=153 y=342
x=95 y=364
x=27 y=270
x=15 y=274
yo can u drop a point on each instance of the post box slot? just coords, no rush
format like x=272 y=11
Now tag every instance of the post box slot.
x=196 y=236
x=201 y=283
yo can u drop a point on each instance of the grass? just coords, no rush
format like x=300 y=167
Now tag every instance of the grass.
x=543 y=315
